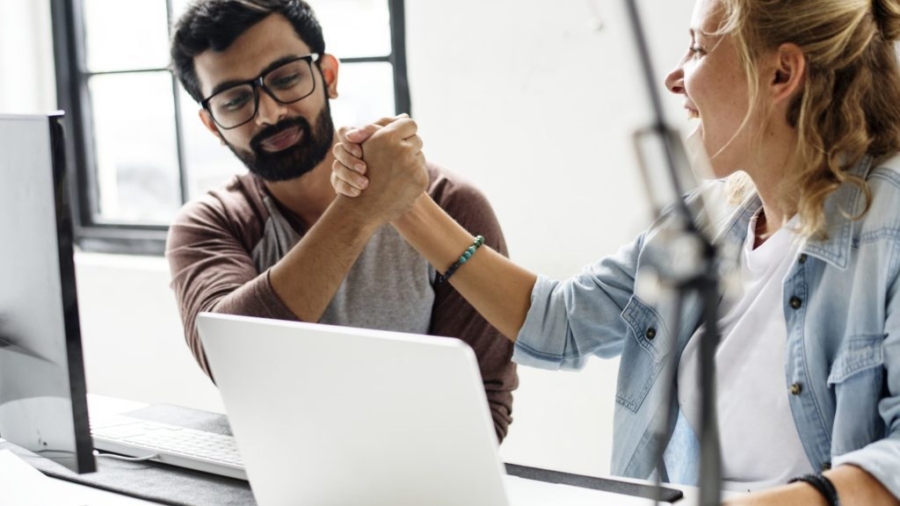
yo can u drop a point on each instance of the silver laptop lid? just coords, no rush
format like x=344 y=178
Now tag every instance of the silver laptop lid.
x=327 y=415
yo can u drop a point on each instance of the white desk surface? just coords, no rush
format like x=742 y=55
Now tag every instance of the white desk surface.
x=522 y=492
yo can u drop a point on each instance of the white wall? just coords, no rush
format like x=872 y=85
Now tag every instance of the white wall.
x=524 y=98
x=26 y=57
x=536 y=107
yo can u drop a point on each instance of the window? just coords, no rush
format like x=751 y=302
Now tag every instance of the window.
x=136 y=162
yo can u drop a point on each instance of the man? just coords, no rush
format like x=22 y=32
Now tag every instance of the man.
x=276 y=242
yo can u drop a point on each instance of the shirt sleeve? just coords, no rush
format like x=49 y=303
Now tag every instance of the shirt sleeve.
x=452 y=316
x=571 y=320
x=208 y=249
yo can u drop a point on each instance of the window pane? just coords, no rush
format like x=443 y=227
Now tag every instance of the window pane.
x=178 y=8
x=209 y=163
x=126 y=34
x=135 y=147
x=366 y=93
x=355 y=28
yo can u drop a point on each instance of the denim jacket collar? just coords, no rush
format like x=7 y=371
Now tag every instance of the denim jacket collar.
x=846 y=202
x=842 y=205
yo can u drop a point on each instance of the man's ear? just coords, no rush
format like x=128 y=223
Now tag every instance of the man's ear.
x=210 y=124
x=330 y=66
x=788 y=73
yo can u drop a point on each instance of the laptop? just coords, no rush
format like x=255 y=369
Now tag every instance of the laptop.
x=326 y=415
x=336 y=416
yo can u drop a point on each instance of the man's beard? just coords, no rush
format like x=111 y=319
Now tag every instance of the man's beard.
x=296 y=160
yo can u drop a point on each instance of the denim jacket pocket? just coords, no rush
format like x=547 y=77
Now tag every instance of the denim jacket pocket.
x=858 y=354
x=643 y=355
x=857 y=383
x=647 y=328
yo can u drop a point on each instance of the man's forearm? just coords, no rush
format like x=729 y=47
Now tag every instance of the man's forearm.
x=307 y=278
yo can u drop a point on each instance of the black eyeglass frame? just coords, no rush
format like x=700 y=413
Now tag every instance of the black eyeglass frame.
x=257 y=83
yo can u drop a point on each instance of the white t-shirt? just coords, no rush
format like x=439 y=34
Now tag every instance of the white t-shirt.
x=760 y=444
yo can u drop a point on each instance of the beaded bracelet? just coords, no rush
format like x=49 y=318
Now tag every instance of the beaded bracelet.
x=467 y=254
x=823 y=485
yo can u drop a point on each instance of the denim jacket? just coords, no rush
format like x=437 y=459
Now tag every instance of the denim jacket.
x=841 y=308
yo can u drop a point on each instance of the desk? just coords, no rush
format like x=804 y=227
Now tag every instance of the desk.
x=522 y=492
x=93 y=496
x=518 y=489
x=100 y=406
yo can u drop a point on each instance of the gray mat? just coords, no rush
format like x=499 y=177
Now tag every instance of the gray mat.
x=152 y=481
x=183 y=487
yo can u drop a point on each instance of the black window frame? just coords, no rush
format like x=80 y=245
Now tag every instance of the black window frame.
x=73 y=97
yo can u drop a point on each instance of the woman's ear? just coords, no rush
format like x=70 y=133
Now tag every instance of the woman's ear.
x=788 y=73
x=330 y=66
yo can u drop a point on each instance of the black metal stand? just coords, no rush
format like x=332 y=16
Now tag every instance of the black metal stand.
x=707 y=287
x=694 y=272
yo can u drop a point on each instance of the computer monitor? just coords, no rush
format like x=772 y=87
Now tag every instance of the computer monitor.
x=43 y=400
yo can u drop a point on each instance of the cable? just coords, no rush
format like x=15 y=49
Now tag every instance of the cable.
x=122 y=457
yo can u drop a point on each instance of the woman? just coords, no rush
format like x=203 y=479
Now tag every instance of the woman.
x=799 y=111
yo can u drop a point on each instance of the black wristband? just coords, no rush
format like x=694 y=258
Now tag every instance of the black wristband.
x=823 y=485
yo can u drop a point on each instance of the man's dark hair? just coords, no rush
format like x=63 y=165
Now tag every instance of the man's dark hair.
x=216 y=24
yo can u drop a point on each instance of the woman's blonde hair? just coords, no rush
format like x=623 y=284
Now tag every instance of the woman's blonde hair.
x=849 y=104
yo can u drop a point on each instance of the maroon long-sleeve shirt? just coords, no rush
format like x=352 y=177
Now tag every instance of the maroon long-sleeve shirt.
x=221 y=246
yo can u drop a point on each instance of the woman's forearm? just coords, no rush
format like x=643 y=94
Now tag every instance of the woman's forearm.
x=499 y=289
x=854 y=486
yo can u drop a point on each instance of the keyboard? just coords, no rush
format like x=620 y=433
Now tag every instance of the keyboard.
x=168 y=444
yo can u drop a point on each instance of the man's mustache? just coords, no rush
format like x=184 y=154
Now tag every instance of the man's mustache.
x=299 y=122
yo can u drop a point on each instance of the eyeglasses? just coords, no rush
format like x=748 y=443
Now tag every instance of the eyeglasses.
x=287 y=83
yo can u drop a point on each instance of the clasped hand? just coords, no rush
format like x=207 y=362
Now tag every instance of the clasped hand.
x=385 y=159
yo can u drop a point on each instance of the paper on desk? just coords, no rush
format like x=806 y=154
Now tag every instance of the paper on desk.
x=524 y=492
x=23 y=485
